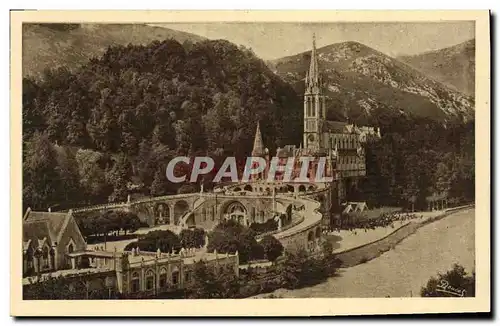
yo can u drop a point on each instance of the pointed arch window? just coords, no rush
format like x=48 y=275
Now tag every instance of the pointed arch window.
x=150 y=280
x=163 y=278
x=45 y=257
x=135 y=283
x=175 y=277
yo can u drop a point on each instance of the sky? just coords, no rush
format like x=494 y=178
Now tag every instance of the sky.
x=276 y=40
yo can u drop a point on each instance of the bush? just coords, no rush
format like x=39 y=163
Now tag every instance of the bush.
x=192 y=238
x=65 y=288
x=454 y=283
x=186 y=189
x=208 y=283
x=110 y=221
x=166 y=241
x=272 y=247
x=268 y=226
x=230 y=236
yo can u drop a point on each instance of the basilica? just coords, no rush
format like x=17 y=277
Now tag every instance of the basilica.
x=342 y=143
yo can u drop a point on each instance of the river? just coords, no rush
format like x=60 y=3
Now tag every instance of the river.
x=402 y=272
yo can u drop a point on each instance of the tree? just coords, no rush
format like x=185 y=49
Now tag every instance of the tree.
x=230 y=236
x=118 y=177
x=159 y=186
x=130 y=222
x=166 y=241
x=92 y=176
x=300 y=269
x=272 y=247
x=41 y=180
x=67 y=168
x=192 y=238
x=454 y=283
x=217 y=282
x=70 y=287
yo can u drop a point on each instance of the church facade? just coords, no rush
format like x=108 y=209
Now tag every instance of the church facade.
x=342 y=143
x=345 y=140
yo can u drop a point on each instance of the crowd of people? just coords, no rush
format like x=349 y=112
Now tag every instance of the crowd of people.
x=353 y=221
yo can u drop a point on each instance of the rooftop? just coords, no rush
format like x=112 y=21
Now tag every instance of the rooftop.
x=66 y=273
x=150 y=258
x=38 y=225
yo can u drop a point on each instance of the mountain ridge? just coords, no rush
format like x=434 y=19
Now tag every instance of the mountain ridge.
x=453 y=66
x=72 y=45
x=362 y=83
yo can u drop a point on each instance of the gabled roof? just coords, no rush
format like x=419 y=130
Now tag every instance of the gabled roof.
x=26 y=244
x=40 y=225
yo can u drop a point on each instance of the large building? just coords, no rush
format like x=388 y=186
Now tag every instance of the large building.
x=341 y=142
x=48 y=241
x=53 y=246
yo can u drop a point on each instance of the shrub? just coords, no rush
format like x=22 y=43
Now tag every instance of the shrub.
x=272 y=247
x=186 y=189
x=268 y=226
x=166 y=241
x=300 y=269
x=192 y=238
x=454 y=283
x=110 y=221
x=230 y=236
x=207 y=283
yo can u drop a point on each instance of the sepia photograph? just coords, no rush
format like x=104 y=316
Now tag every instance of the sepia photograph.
x=163 y=160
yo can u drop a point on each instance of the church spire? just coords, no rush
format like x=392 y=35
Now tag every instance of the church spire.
x=258 y=144
x=313 y=67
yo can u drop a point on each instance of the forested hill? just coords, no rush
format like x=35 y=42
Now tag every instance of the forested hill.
x=72 y=45
x=144 y=104
x=368 y=86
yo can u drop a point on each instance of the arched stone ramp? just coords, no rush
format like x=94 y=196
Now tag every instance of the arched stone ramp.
x=180 y=208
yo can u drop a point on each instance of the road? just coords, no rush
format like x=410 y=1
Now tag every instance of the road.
x=402 y=272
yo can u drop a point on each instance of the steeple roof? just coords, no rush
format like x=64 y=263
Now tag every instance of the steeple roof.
x=258 y=144
x=314 y=67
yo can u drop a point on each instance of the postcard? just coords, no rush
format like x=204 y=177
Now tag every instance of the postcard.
x=250 y=163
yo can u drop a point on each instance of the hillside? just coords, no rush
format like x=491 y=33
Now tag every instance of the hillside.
x=453 y=66
x=144 y=105
x=71 y=45
x=367 y=86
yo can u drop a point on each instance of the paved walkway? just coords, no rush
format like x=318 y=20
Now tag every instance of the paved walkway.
x=401 y=272
x=311 y=217
x=345 y=239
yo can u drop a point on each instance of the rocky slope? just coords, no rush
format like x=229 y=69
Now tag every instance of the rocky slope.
x=71 y=45
x=453 y=66
x=365 y=85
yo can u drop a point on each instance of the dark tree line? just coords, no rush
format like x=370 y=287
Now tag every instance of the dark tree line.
x=230 y=236
x=417 y=158
x=103 y=224
x=96 y=134
x=168 y=241
x=142 y=105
